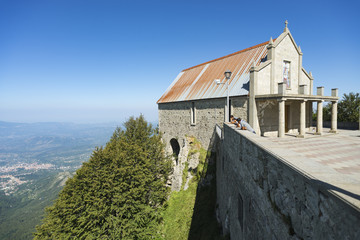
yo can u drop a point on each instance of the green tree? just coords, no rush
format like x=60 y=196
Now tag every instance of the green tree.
x=327 y=112
x=118 y=194
x=348 y=108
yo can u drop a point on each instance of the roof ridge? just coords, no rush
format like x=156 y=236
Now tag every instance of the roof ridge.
x=229 y=55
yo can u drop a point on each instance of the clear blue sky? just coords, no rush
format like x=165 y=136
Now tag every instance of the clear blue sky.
x=103 y=61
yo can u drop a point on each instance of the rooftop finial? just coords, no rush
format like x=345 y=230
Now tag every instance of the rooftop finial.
x=286 y=23
x=270 y=44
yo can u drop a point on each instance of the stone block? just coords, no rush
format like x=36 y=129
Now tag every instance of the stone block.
x=281 y=88
x=303 y=89
x=334 y=92
x=320 y=91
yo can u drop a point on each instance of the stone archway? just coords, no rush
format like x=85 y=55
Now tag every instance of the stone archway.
x=175 y=149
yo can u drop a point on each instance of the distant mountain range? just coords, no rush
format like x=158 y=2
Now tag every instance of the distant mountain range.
x=34 y=142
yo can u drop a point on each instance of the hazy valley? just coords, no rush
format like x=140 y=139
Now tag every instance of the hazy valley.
x=35 y=161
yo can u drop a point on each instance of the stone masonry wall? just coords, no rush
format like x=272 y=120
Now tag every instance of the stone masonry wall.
x=175 y=118
x=175 y=123
x=261 y=197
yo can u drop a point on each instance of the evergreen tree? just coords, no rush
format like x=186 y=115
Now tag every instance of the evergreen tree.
x=118 y=194
x=348 y=108
x=327 y=112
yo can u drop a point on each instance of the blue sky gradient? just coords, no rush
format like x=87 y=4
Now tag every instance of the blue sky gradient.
x=103 y=61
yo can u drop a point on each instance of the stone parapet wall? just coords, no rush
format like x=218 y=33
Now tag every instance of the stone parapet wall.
x=261 y=197
x=340 y=125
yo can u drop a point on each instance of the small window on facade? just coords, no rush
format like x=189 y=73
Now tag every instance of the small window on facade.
x=193 y=113
x=286 y=73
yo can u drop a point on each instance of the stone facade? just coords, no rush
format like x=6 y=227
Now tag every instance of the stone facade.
x=267 y=87
x=288 y=51
x=176 y=122
x=261 y=197
x=180 y=120
x=270 y=76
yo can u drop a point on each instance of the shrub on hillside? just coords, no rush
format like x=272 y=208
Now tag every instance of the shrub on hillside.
x=118 y=194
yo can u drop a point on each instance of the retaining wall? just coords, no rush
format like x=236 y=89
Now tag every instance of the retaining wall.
x=261 y=197
x=341 y=125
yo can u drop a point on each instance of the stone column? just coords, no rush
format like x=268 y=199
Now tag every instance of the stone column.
x=253 y=118
x=303 y=89
x=320 y=91
x=333 y=117
x=281 y=130
x=302 y=119
x=334 y=93
x=319 y=120
x=300 y=68
x=271 y=56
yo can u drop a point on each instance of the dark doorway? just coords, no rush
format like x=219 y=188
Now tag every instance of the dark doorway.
x=287 y=117
x=230 y=108
x=175 y=148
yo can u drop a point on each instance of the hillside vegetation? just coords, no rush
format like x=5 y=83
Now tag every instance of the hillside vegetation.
x=190 y=213
x=118 y=194
x=121 y=193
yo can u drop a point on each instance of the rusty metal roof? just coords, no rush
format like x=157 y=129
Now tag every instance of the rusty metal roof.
x=198 y=82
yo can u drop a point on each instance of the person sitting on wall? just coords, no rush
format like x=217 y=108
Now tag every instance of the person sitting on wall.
x=244 y=125
x=233 y=119
x=236 y=121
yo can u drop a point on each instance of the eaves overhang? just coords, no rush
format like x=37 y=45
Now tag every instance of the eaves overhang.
x=205 y=99
x=297 y=97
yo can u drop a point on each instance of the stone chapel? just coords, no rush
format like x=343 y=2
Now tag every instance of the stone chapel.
x=268 y=87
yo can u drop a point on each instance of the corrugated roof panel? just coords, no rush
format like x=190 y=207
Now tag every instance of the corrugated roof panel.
x=186 y=93
x=180 y=85
x=198 y=82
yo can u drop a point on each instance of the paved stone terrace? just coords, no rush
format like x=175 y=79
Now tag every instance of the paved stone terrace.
x=332 y=160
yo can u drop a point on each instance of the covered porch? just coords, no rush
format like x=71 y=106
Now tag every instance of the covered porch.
x=292 y=113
